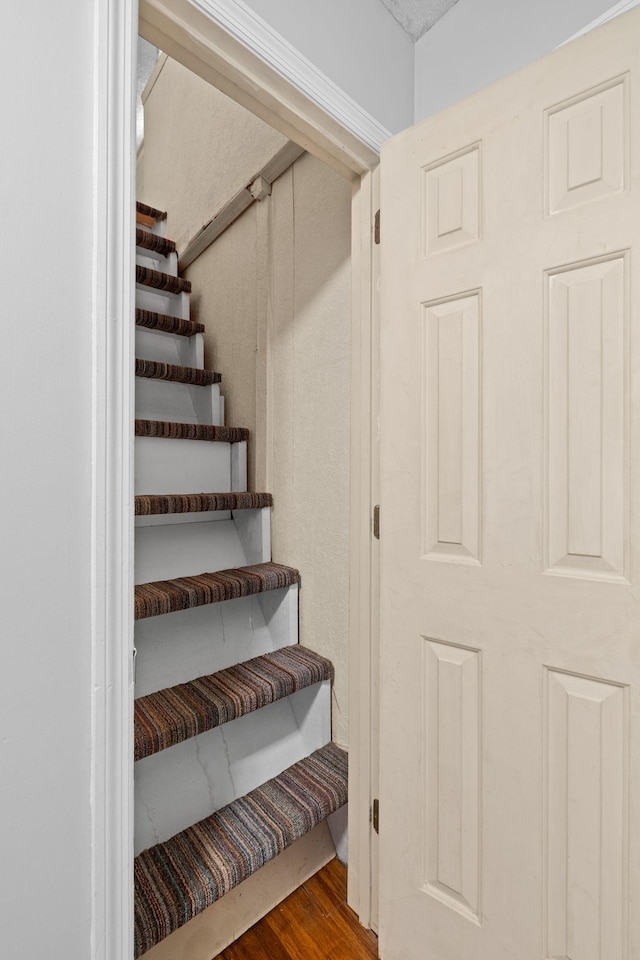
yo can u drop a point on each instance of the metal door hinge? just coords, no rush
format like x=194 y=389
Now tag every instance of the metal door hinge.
x=376 y=521
x=376 y=227
x=134 y=659
x=375 y=815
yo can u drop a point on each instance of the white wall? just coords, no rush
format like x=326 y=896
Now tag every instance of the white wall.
x=358 y=45
x=479 y=41
x=46 y=250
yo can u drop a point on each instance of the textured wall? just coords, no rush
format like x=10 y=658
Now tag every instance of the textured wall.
x=274 y=291
x=309 y=387
x=195 y=165
x=226 y=298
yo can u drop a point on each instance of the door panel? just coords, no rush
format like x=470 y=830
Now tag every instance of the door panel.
x=510 y=611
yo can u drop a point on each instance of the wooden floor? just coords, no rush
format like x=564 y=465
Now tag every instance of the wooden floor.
x=314 y=923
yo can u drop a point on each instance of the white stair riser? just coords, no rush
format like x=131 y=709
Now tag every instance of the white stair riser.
x=189 y=466
x=156 y=261
x=160 y=301
x=169 y=519
x=177 y=647
x=187 y=549
x=170 y=348
x=187 y=782
x=179 y=402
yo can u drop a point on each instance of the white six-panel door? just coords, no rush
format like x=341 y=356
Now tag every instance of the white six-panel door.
x=510 y=509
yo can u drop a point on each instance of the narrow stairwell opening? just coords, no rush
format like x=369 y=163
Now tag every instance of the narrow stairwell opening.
x=241 y=480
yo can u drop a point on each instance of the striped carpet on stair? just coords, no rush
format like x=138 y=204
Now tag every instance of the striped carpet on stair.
x=148 y=211
x=168 y=596
x=178 y=713
x=155 y=504
x=166 y=324
x=151 y=241
x=164 y=282
x=155 y=370
x=189 y=431
x=178 y=879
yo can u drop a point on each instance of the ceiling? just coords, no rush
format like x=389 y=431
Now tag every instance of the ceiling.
x=417 y=16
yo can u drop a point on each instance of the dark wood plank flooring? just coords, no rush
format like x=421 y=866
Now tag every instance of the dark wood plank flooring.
x=314 y=923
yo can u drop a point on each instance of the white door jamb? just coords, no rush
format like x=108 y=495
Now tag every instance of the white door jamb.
x=218 y=40
x=112 y=488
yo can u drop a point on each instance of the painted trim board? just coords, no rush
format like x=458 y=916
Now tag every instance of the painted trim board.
x=260 y=38
x=233 y=49
x=236 y=206
x=114 y=94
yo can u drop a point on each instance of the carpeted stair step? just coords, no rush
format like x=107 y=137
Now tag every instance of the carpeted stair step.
x=168 y=596
x=189 y=431
x=166 y=324
x=160 y=504
x=163 y=282
x=177 y=713
x=178 y=879
x=155 y=370
x=146 y=211
x=154 y=243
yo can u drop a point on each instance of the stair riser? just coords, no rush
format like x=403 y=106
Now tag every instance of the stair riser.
x=156 y=261
x=188 y=466
x=190 y=780
x=160 y=301
x=187 y=549
x=177 y=647
x=169 y=348
x=169 y=519
x=180 y=402
x=256 y=523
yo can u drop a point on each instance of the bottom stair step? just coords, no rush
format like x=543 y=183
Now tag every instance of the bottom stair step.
x=178 y=879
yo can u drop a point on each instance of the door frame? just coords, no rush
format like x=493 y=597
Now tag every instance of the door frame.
x=226 y=44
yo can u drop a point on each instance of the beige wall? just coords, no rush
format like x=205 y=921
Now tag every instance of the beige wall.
x=192 y=165
x=308 y=390
x=274 y=292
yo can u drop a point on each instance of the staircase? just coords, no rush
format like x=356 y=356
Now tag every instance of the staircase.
x=234 y=760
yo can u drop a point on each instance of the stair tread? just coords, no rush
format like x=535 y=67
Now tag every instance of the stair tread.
x=157 y=370
x=178 y=713
x=190 y=431
x=154 y=504
x=168 y=596
x=151 y=241
x=167 y=324
x=164 y=282
x=177 y=879
x=148 y=211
